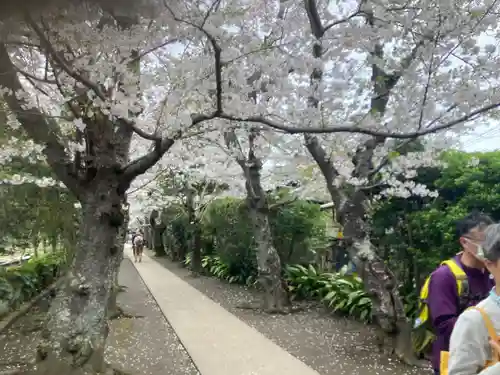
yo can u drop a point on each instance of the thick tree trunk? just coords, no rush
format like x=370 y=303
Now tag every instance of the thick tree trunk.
x=276 y=298
x=157 y=229
x=113 y=309
x=75 y=337
x=194 y=231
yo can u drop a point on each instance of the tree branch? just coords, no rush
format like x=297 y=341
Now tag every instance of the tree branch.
x=40 y=128
x=215 y=46
x=45 y=43
x=358 y=129
x=143 y=163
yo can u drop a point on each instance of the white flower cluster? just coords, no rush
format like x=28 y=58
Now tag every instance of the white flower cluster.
x=20 y=179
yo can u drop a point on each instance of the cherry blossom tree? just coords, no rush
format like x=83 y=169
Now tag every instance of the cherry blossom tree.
x=107 y=94
x=389 y=63
x=72 y=79
x=408 y=60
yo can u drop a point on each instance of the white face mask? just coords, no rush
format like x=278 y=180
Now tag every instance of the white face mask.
x=479 y=249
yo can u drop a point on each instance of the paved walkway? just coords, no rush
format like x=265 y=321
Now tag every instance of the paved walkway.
x=217 y=341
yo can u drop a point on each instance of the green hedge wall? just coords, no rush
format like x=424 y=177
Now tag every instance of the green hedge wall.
x=299 y=230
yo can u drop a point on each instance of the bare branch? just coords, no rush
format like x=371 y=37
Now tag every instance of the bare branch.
x=234 y=145
x=34 y=77
x=357 y=129
x=42 y=129
x=61 y=61
x=143 y=163
x=315 y=22
x=152 y=49
x=215 y=46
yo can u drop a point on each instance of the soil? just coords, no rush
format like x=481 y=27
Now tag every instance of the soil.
x=145 y=345
x=330 y=344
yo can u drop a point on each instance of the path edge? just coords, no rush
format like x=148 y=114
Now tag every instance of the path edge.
x=163 y=313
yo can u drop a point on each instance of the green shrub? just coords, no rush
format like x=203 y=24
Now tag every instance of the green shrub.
x=214 y=266
x=20 y=283
x=298 y=228
x=226 y=221
x=175 y=236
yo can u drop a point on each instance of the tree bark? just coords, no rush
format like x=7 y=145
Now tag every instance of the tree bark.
x=75 y=337
x=157 y=229
x=276 y=298
x=379 y=282
x=113 y=309
x=196 y=267
x=194 y=230
x=351 y=202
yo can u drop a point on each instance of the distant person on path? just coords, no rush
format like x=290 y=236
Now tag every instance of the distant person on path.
x=138 y=246
x=474 y=345
x=134 y=234
x=457 y=284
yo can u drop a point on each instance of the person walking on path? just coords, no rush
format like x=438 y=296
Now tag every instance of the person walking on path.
x=138 y=246
x=444 y=301
x=474 y=346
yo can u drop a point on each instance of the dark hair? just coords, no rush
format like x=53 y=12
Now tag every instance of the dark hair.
x=473 y=220
x=491 y=244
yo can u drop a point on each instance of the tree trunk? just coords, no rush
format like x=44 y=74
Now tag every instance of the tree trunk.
x=75 y=337
x=157 y=229
x=194 y=231
x=276 y=298
x=36 y=243
x=196 y=246
x=379 y=282
x=113 y=309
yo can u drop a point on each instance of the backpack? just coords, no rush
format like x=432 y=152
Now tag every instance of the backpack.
x=423 y=332
x=445 y=356
x=138 y=240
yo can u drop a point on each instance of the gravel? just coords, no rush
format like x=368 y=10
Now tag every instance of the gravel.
x=145 y=345
x=329 y=344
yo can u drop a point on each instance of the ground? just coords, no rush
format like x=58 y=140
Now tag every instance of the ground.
x=329 y=344
x=146 y=346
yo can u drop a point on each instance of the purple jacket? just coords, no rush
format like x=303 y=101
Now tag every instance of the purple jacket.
x=444 y=305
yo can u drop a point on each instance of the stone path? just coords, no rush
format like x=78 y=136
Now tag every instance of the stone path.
x=217 y=341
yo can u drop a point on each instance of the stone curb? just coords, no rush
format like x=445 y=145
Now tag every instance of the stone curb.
x=11 y=318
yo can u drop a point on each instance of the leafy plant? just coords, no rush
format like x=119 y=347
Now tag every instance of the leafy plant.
x=20 y=283
x=216 y=267
x=342 y=293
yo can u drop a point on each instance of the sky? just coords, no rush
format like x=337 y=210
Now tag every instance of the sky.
x=485 y=138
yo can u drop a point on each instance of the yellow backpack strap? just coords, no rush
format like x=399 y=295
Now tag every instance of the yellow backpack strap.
x=491 y=330
x=457 y=271
x=487 y=321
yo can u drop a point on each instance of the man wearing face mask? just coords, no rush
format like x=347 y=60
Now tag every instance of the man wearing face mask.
x=444 y=302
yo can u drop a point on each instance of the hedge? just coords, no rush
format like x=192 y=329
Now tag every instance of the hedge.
x=299 y=230
x=19 y=284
